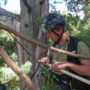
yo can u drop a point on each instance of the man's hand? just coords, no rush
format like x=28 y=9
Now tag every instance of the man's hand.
x=45 y=60
x=57 y=66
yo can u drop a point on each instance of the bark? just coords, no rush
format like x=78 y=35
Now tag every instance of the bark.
x=43 y=39
x=30 y=11
x=4 y=12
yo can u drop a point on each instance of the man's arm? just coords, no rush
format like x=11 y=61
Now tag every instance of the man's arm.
x=86 y=62
x=83 y=69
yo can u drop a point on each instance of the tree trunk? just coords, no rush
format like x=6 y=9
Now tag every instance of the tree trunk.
x=30 y=11
x=40 y=52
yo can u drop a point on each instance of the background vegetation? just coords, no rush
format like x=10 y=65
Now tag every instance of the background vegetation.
x=8 y=43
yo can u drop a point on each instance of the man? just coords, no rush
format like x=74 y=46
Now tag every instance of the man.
x=54 y=25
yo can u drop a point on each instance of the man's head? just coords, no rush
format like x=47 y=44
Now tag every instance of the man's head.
x=54 y=22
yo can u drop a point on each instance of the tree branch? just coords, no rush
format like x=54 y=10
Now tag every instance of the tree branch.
x=4 y=12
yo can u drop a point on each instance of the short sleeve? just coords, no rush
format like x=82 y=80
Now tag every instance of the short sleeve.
x=83 y=49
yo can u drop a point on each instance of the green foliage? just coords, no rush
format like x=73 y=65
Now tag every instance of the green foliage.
x=38 y=21
x=75 y=5
x=13 y=55
x=72 y=5
x=10 y=78
x=8 y=43
x=84 y=35
x=87 y=10
x=48 y=83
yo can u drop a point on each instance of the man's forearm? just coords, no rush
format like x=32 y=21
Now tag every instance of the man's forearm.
x=80 y=69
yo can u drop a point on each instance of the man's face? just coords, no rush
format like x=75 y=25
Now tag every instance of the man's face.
x=53 y=36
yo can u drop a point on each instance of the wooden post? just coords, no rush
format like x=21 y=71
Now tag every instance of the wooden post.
x=6 y=28
x=17 y=70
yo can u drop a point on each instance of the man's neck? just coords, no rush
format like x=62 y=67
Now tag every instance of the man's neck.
x=64 y=38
